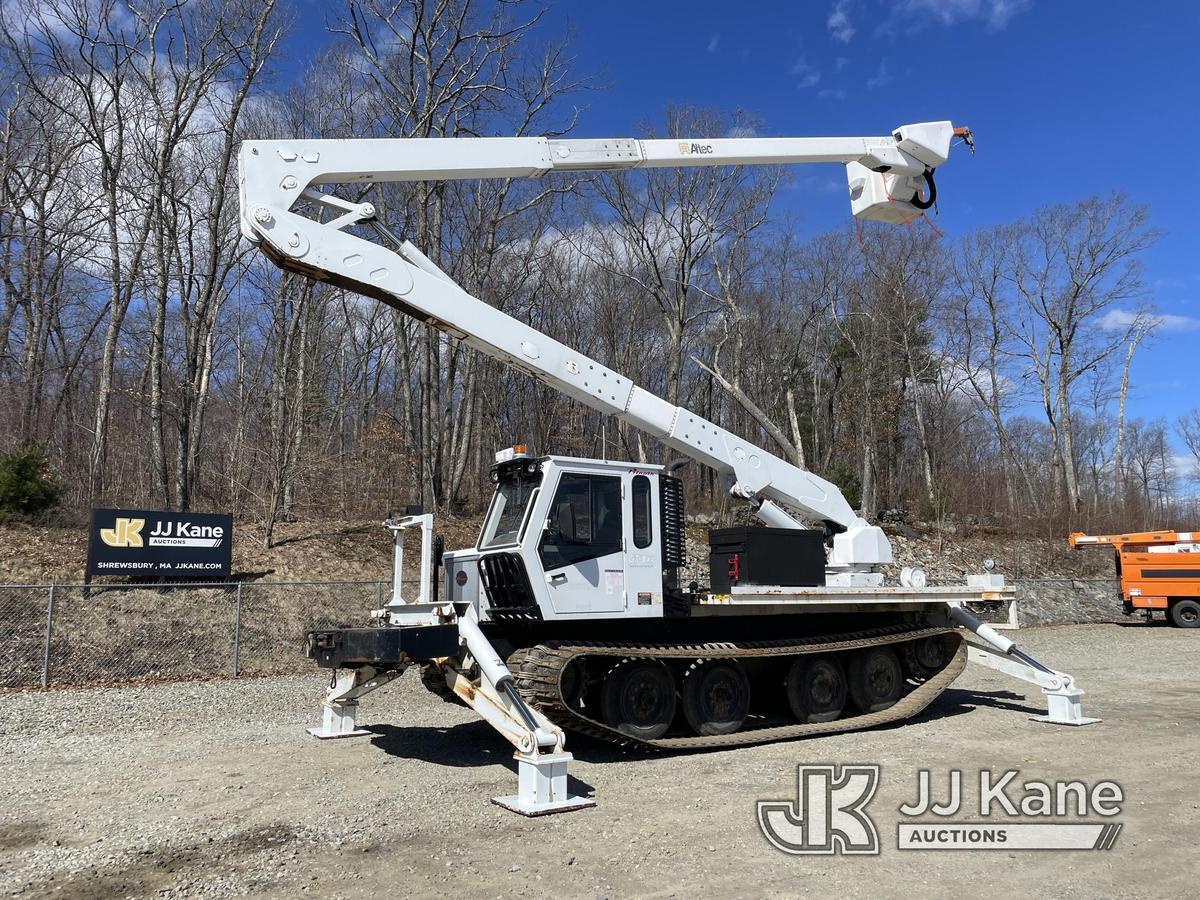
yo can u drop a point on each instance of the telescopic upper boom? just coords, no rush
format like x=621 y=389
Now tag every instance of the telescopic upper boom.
x=885 y=176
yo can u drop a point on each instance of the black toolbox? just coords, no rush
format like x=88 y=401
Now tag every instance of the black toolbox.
x=792 y=557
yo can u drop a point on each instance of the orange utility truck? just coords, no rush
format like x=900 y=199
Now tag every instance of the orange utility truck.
x=1159 y=570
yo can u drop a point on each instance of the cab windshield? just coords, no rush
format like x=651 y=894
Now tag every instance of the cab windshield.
x=503 y=522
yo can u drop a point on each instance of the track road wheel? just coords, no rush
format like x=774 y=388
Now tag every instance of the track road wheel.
x=816 y=688
x=716 y=696
x=639 y=698
x=922 y=658
x=1184 y=614
x=875 y=679
x=571 y=684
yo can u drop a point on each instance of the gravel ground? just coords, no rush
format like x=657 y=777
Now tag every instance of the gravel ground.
x=213 y=789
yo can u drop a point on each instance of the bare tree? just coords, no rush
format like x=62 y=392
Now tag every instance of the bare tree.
x=666 y=225
x=1142 y=327
x=295 y=322
x=979 y=328
x=41 y=252
x=196 y=69
x=88 y=53
x=1187 y=427
x=1151 y=462
x=782 y=296
x=445 y=69
x=1076 y=264
x=162 y=362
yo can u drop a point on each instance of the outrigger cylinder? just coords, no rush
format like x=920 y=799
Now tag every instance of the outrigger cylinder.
x=1063 y=699
x=496 y=672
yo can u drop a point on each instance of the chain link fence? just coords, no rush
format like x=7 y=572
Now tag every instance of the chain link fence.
x=70 y=634
x=57 y=635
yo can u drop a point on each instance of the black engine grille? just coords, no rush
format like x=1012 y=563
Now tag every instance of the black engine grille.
x=506 y=584
x=671 y=502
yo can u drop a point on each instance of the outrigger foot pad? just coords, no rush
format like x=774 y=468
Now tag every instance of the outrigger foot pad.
x=542 y=787
x=1064 y=707
x=337 y=721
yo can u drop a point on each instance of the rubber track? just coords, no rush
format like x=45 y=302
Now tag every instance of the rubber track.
x=537 y=671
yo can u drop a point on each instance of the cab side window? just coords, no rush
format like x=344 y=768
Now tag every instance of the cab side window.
x=642 y=529
x=584 y=521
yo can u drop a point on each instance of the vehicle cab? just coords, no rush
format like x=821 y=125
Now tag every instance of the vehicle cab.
x=570 y=538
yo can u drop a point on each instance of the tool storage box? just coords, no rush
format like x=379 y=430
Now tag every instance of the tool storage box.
x=792 y=557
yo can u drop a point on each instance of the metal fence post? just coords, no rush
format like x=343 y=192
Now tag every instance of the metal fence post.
x=379 y=595
x=49 y=629
x=237 y=629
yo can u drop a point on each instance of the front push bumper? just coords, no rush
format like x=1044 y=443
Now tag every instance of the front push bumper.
x=381 y=648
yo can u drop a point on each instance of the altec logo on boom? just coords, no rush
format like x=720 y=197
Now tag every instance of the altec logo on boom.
x=830 y=815
x=694 y=149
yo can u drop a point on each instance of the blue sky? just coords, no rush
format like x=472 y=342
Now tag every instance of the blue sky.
x=1067 y=98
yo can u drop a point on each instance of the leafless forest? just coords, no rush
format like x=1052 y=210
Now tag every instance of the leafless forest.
x=977 y=379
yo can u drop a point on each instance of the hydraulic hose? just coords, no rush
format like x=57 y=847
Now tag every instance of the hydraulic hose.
x=929 y=200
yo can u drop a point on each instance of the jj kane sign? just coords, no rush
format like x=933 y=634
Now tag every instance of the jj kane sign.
x=166 y=544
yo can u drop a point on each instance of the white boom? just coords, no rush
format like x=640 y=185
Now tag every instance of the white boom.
x=884 y=176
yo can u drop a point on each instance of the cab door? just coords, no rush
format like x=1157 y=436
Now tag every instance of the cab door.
x=643 y=546
x=582 y=545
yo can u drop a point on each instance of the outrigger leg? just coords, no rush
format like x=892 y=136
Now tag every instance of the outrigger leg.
x=456 y=649
x=541 y=760
x=340 y=707
x=1063 y=699
x=364 y=659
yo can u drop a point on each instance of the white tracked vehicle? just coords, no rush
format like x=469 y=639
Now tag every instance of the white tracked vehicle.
x=568 y=612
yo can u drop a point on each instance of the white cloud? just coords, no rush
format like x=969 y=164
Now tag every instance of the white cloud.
x=1185 y=465
x=970 y=381
x=609 y=244
x=831 y=94
x=839 y=23
x=38 y=20
x=742 y=131
x=713 y=42
x=809 y=75
x=882 y=76
x=1120 y=319
x=1174 y=283
x=816 y=184
x=995 y=14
